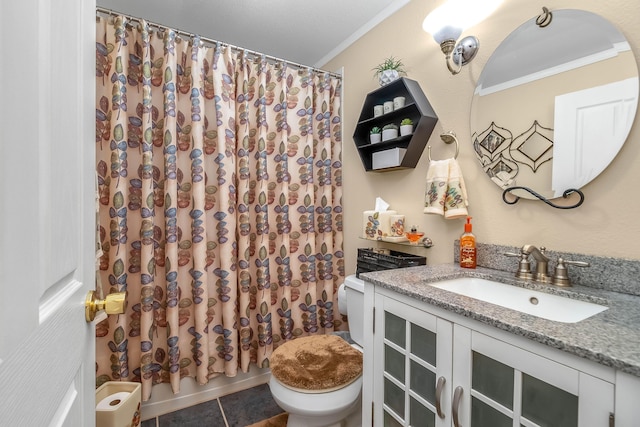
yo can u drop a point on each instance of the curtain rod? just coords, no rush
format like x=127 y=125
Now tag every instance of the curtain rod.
x=216 y=42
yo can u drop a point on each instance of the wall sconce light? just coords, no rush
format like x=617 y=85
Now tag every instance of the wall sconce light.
x=446 y=22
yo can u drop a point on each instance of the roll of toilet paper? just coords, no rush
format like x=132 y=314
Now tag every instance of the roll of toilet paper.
x=342 y=300
x=113 y=401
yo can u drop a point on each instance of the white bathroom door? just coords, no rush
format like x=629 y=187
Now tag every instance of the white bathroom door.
x=47 y=212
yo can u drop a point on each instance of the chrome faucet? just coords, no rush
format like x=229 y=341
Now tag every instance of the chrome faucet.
x=541 y=273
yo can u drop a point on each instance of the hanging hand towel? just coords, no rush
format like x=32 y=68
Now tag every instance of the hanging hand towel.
x=436 y=194
x=456 y=203
x=446 y=193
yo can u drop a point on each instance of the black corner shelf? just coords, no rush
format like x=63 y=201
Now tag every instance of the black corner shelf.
x=417 y=108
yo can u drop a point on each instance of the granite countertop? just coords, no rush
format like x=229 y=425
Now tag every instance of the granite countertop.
x=611 y=338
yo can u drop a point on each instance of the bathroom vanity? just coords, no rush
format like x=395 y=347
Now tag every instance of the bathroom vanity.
x=437 y=358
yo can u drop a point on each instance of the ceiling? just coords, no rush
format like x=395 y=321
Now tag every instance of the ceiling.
x=302 y=31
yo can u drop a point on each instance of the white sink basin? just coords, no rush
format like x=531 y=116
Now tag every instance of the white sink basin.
x=547 y=306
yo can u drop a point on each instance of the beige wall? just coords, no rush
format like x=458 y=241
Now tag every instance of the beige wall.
x=608 y=222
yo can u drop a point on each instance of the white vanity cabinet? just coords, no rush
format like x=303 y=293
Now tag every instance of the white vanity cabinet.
x=430 y=367
x=507 y=385
x=412 y=358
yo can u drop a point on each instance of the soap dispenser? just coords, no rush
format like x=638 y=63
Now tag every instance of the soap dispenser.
x=468 y=247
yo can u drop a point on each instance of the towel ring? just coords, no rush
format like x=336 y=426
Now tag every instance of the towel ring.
x=447 y=138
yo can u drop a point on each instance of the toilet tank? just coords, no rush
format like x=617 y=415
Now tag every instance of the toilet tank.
x=354 y=288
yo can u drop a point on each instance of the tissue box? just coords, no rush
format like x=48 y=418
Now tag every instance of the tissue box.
x=376 y=225
x=388 y=158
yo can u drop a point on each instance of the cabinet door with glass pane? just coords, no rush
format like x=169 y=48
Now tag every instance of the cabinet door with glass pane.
x=506 y=386
x=412 y=385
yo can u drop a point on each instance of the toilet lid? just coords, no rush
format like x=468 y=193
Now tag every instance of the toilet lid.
x=316 y=363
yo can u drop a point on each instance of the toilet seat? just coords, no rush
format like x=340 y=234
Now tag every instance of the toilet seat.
x=324 y=390
x=316 y=364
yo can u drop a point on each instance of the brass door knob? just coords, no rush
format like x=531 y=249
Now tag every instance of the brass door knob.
x=114 y=303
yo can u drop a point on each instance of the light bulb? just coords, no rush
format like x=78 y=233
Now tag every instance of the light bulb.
x=449 y=20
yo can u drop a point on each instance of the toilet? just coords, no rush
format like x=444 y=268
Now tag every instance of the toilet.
x=324 y=405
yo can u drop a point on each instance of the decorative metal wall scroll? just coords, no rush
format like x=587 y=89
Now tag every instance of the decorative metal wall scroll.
x=566 y=194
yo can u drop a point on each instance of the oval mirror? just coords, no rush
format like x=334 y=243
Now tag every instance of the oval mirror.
x=554 y=104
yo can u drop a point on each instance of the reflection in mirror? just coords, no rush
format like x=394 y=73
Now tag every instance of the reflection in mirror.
x=554 y=104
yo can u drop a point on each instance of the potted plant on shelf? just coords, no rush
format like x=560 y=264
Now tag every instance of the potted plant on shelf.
x=374 y=135
x=406 y=127
x=389 y=131
x=389 y=70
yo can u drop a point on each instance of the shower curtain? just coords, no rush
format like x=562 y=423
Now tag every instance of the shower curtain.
x=219 y=179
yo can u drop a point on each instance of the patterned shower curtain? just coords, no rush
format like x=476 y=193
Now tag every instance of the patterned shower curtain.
x=219 y=180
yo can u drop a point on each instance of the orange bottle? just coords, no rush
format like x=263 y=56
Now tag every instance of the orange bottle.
x=468 y=247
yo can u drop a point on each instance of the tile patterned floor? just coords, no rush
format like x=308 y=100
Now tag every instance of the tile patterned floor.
x=235 y=410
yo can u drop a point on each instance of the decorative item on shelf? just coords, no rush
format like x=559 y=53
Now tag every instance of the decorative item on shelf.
x=414 y=235
x=445 y=23
x=389 y=70
x=376 y=223
x=396 y=231
x=406 y=127
x=398 y=102
x=388 y=158
x=388 y=107
x=375 y=135
x=389 y=131
x=378 y=110
x=397 y=225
